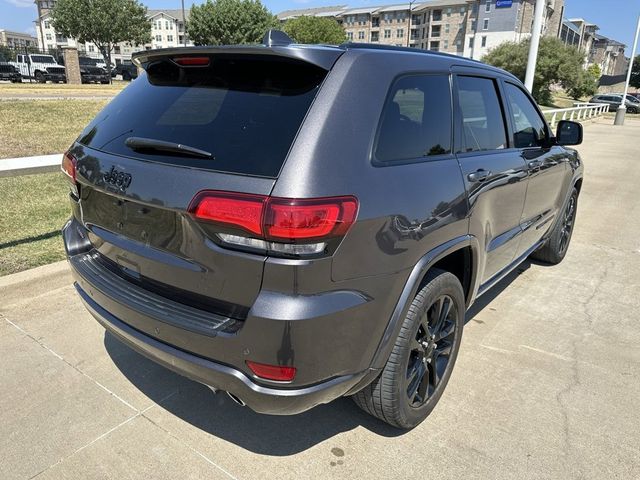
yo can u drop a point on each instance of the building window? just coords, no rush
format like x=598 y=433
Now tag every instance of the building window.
x=158 y=38
x=375 y=22
x=400 y=33
x=446 y=44
x=470 y=42
x=487 y=6
x=49 y=36
x=485 y=24
x=484 y=41
x=47 y=24
x=350 y=35
x=91 y=49
x=463 y=10
x=166 y=25
x=387 y=33
x=449 y=12
x=435 y=31
x=473 y=25
x=361 y=35
x=375 y=36
x=435 y=46
x=169 y=38
x=437 y=15
x=446 y=28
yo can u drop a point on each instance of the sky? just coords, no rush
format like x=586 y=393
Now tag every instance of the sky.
x=616 y=18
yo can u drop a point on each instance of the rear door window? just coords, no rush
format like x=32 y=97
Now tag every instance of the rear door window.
x=483 y=122
x=244 y=109
x=416 y=120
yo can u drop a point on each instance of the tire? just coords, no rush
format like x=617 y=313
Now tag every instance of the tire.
x=406 y=391
x=40 y=77
x=633 y=110
x=556 y=246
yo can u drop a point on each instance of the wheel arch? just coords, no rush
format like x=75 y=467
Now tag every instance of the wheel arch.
x=458 y=256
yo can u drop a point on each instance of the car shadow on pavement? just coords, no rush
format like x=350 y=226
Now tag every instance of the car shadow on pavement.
x=218 y=415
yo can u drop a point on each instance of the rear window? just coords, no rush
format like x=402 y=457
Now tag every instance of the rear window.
x=245 y=110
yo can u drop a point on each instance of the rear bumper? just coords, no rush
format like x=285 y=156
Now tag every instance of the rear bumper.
x=95 y=78
x=55 y=77
x=321 y=335
x=12 y=76
x=262 y=399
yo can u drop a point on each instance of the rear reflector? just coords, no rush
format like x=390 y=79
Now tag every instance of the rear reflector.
x=278 y=219
x=192 y=61
x=272 y=372
x=68 y=167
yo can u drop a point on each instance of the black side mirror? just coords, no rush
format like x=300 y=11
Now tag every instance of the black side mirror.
x=569 y=133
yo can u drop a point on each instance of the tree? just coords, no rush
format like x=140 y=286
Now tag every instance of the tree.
x=315 y=30
x=229 y=22
x=635 y=73
x=557 y=64
x=103 y=23
x=587 y=83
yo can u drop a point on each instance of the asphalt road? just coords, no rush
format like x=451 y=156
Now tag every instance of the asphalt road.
x=547 y=384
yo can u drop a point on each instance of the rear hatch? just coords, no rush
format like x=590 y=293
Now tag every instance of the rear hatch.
x=234 y=115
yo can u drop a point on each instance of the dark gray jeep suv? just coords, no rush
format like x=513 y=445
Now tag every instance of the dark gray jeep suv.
x=292 y=223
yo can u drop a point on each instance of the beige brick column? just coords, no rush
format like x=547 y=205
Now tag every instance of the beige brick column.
x=72 y=65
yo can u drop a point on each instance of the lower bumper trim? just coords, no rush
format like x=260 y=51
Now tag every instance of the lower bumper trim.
x=259 y=398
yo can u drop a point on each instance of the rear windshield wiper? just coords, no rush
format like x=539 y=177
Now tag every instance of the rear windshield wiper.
x=150 y=145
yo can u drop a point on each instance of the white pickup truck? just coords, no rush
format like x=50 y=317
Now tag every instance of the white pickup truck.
x=41 y=67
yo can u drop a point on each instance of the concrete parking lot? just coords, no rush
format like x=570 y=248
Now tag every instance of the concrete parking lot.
x=547 y=384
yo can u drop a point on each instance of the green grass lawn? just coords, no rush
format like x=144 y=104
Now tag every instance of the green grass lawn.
x=40 y=127
x=33 y=209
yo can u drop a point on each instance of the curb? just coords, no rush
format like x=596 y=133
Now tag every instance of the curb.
x=15 y=167
x=33 y=282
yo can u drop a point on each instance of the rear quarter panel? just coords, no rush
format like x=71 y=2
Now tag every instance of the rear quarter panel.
x=405 y=210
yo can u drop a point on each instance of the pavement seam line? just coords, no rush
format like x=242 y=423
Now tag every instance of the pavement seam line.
x=185 y=444
x=140 y=413
x=110 y=392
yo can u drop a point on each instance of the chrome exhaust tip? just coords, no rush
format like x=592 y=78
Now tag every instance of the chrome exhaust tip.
x=236 y=399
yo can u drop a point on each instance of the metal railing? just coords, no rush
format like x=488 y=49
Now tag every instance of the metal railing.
x=580 y=111
x=16 y=167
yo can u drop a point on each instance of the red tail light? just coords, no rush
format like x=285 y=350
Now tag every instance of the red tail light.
x=192 y=61
x=278 y=219
x=236 y=209
x=68 y=167
x=272 y=372
x=292 y=220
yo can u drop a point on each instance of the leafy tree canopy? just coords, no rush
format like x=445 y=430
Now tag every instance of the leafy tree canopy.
x=102 y=22
x=315 y=30
x=229 y=22
x=557 y=64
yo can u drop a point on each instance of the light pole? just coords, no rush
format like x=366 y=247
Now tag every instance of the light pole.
x=533 y=46
x=409 y=31
x=184 y=26
x=622 y=109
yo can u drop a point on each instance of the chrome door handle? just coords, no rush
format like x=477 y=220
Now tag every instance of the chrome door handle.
x=533 y=164
x=479 y=176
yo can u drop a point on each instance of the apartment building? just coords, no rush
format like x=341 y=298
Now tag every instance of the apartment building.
x=16 y=39
x=462 y=27
x=167 y=30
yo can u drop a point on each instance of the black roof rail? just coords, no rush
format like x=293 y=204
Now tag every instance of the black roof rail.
x=419 y=51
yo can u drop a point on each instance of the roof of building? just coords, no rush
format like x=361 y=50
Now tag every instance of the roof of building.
x=319 y=11
x=176 y=13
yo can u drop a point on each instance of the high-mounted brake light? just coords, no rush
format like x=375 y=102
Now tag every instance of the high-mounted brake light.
x=283 y=225
x=68 y=167
x=278 y=373
x=192 y=61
